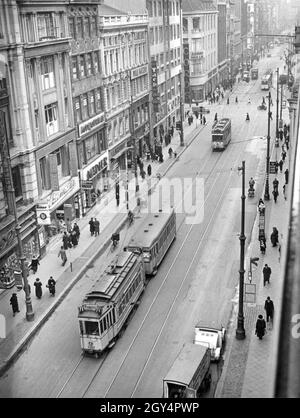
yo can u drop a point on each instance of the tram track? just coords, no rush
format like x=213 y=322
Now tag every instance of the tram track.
x=208 y=175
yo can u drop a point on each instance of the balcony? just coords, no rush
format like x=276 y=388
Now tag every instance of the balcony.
x=129 y=19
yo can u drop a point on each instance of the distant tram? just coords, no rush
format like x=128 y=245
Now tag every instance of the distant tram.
x=153 y=238
x=221 y=134
x=266 y=81
x=107 y=306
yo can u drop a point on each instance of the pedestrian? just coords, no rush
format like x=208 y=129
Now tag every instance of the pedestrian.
x=65 y=240
x=236 y=99
x=51 y=286
x=170 y=152
x=261 y=206
x=275 y=184
x=34 y=264
x=76 y=230
x=97 y=226
x=228 y=100
x=267 y=273
x=280 y=165
x=249 y=101
x=38 y=288
x=284 y=192
x=70 y=243
x=286 y=175
x=92 y=226
x=149 y=170
x=260 y=328
x=275 y=195
x=14 y=303
x=269 y=308
x=276 y=167
x=274 y=236
x=287 y=142
x=216 y=117
x=247 y=117
x=74 y=239
x=283 y=155
x=63 y=255
x=204 y=120
x=263 y=100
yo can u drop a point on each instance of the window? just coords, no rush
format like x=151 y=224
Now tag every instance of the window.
x=91 y=103
x=91 y=147
x=96 y=62
x=196 y=22
x=87 y=33
x=72 y=27
x=16 y=176
x=159 y=8
x=46 y=27
x=29 y=27
x=93 y=21
x=89 y=64
x=47 y=73
x=84 y=107
x=98 y=100
x=82 y=66
x=51 y=118
x=74 y=68
x=77 y=109
x=149 y=7
x=79 y=27
x=91 y=328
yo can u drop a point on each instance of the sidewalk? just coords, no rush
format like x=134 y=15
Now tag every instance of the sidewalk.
x=249 y=367
x=112 y=219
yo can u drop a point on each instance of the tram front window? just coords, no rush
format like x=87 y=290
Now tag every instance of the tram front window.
x=91 y=328
x=146 y=256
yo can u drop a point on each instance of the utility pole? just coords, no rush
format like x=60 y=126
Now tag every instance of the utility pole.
x=277 y=103
x=12 y=198
x=267 y=194
x=240 y=331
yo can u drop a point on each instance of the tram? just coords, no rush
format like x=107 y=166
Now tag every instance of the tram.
x=221 y=134
x=153 y=238
x=108 y=304
x=266 y=80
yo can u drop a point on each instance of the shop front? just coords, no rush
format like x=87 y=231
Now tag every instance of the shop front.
x=57 y=212
x=10 y=266
x=94 y=180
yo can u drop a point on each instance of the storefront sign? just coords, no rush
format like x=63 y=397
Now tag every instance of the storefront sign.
x=55 y=199
x=90 y=124
x=98 y=165
x=137 y=72
x=186 y=62
x=155 y=93
x=43 y=215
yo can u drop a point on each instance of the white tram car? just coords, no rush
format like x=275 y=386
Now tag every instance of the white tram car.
x=153 y=238
x=106 y=307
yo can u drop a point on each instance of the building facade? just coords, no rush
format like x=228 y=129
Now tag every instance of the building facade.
x=223 y=67
x=200 y=43
x=88 y=103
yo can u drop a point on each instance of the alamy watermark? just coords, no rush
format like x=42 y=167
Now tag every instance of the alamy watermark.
x=2 y=326
x=296 y=328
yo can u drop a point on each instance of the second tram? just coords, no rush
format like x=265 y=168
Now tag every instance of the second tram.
x=153 y=238
x=266 y=81
x=221 y=134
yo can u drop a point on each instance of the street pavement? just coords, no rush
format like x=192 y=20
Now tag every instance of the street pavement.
x=250 y=364
x=112 y=219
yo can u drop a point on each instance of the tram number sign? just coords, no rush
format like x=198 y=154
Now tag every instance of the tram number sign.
x=272 y=167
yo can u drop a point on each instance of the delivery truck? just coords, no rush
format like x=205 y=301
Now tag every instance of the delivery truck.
x=190 y=375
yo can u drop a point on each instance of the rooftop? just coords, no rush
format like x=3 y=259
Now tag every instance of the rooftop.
x=198 y=6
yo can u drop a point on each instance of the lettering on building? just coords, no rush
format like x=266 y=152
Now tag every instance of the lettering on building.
x=90 y=124
x=154 y=79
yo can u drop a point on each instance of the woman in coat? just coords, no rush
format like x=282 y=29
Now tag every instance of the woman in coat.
x=38 y=288
x=34 y=264
x=14 y=303
x=74 y=239
x=260 y=327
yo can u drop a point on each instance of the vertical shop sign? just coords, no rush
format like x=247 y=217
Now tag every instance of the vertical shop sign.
x=155 y=93
x=53 y=172
x=186 y=64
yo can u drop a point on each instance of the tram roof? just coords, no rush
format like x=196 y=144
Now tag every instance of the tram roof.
x=149 y=228
x=186 y=363
x=110 y=280
x=221 y=123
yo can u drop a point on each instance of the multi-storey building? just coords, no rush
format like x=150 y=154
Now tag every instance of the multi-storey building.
x=223 y=69
x=87 y=92
x=200 y=42
x=125 y=77
x=38 y=117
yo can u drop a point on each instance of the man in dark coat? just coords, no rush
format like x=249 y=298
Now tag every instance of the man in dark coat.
x=260 y=327
x=63 y=255
x=149 y=170
x=77 y=230
x=74 y=239
x=280 y=165
x=286 y=175
x=34 y=264
x=38 y=288
x=14 y=303
x=267 y=273
x=51 y=286
x=92 y=226
x=65 y=240
x=269 y=308
x=275 y=184
x=97 y=226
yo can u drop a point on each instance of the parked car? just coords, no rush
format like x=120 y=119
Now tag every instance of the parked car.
x=211 y=336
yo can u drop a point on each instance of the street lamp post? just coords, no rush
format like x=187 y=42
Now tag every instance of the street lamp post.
x=277 y=103
x=267 y=193
x=240 y=331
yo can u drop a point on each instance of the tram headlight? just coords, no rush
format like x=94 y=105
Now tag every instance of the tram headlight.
x=146 y=256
